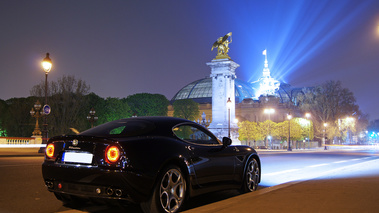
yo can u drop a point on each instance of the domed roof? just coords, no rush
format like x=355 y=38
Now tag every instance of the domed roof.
x=201 y=91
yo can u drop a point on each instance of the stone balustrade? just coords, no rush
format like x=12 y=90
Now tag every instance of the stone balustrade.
x=20 y=140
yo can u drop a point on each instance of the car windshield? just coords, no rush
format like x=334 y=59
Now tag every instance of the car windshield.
x=121 y=128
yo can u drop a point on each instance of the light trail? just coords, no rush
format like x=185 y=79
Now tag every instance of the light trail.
x=282 y=172
x=308 y=172
x=318 y=165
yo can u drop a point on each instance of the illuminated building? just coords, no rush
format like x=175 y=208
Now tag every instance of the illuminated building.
x=268 y=86
x=250 y=98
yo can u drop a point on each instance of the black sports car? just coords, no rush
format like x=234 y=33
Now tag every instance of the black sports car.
x=158 y=162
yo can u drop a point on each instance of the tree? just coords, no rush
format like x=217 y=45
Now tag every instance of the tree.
x=145 y=104
x=186 y=108
x=3 y=113
x=328 y=103
x=249 y=131
x=17 y=121
x=298 y=130
x=67 y=98
x=114 y=109
x=267 y=128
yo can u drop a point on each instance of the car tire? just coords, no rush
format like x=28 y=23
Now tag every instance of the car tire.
x=251 y=176
x=169 y=193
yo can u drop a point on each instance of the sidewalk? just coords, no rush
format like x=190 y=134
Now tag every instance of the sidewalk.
x=354 y=189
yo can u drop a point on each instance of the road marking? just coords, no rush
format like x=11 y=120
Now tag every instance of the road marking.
x=282 y=172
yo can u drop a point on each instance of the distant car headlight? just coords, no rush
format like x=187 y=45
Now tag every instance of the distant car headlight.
x=112 y=154
x=50 y=150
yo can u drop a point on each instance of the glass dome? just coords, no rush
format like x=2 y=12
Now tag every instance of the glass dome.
x=201 y=91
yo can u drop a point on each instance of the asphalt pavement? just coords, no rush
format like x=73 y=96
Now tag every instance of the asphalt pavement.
x=353 y=188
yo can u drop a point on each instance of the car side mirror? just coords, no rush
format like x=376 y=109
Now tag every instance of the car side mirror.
x=226 y=141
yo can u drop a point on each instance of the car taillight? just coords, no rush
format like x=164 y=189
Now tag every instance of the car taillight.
x=112 y=154
x=50 y=150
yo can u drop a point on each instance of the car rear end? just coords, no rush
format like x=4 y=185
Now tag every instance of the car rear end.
x=90 y=167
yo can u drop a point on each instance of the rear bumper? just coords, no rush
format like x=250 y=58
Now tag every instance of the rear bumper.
x=96 y=182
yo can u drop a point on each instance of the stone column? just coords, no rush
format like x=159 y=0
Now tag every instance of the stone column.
x=223 y=75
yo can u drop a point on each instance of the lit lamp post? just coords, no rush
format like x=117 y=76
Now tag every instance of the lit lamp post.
x=229 y=105
x=91 y=117
x=46 y=64
x=308 y=115
x=269 y=112
x=35 y=113
x=289 y=117
x=325 y=125
x=204 y=121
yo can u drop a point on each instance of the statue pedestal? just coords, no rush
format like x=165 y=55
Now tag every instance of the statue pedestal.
x=223 y=89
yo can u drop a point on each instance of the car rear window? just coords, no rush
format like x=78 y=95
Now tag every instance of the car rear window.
x=121 y=128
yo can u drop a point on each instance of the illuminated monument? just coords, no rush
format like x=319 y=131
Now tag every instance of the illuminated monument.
x=249 y=100
x=223 y=76
x=268 y=86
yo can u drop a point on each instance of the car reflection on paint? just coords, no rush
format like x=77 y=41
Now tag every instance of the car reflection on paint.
x=158 y=162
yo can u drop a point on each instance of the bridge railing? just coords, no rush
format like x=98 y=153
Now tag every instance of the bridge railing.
x=20 y=140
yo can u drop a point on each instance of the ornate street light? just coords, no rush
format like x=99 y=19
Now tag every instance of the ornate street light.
x=289 y=117
x=203 y=120
x=46 y=64
x=308 y=115
x=35 y=113
x=91 y=117
x=269 y=111
x=229 y=105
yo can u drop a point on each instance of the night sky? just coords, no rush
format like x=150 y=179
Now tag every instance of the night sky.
x=125 y=47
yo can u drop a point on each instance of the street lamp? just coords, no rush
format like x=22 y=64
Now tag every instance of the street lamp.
x=229 y=105
x=269 y=111
x=289 y=117
x=35 y=113
x=91 y=117
x=46 y=64
x=203 y=120
x=308 y=115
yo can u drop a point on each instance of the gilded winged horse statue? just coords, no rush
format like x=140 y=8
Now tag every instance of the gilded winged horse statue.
x=222 y=45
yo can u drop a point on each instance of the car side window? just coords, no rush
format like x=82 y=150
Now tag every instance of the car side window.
x=194 y=135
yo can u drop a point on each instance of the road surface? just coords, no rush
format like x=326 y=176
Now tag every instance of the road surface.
x=23 y=189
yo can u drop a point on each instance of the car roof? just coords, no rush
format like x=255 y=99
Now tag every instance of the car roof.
x=159 y=119
x=159 y=125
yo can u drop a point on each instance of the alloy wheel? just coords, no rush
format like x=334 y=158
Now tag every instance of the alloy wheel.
x=252 y=175
x=172 y=190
